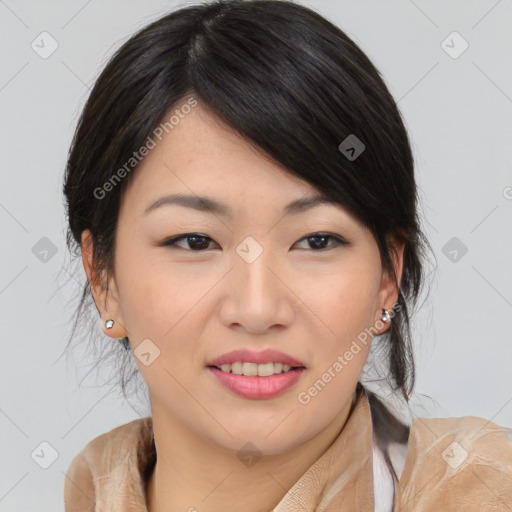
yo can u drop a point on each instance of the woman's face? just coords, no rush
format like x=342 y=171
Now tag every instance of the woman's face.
x=255 y=278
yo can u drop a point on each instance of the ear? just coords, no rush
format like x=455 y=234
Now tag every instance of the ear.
x=106 y=298
x=388 y=292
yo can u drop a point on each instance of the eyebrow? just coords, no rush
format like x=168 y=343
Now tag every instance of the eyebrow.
x=206 y=204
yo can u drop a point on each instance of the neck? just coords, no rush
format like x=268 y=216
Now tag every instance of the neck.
x=194 y=473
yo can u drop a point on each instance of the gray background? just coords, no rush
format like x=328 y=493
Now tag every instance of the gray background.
x=458 y=112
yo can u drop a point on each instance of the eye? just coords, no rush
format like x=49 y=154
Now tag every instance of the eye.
x=318 y=240
x=197 y=242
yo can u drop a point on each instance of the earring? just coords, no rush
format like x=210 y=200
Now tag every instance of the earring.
x=109 y=324
x=386 y=317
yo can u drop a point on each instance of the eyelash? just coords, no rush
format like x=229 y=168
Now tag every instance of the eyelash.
x=171 y=242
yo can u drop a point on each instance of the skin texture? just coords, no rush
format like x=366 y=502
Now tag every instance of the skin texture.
x=194 y=305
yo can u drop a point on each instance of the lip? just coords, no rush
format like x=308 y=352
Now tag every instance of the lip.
x=259 y=357
x=256 y=387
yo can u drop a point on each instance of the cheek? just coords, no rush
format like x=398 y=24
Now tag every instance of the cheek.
x=345 y=304
x=153 y=299
x=345 y=299
x=357 y=295
x=139 y=273
x=161 y=305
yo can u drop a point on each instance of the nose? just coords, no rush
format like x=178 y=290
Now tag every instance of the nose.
x=258 y=296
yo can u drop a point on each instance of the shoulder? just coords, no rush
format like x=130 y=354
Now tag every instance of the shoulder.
x=98 y=459
x=464 y=462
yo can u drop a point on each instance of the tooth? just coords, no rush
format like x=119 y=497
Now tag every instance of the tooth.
x=264 y=370
x=236 y=368
x=254 y=369
x=250 y=369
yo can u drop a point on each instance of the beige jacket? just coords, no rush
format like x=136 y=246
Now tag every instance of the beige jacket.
x=451 y=464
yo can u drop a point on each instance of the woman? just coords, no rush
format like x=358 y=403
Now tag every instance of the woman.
x=241 y=190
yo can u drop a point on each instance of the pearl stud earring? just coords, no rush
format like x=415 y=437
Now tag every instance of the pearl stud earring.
x=386 y=317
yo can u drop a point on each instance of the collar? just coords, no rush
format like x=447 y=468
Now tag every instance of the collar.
x=112 y=470
x=342 y=477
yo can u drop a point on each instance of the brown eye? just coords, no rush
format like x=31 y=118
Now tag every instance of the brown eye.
x=196 y=242
x=319 y=241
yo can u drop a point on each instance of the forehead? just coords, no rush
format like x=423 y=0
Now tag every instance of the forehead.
x=202 y=155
